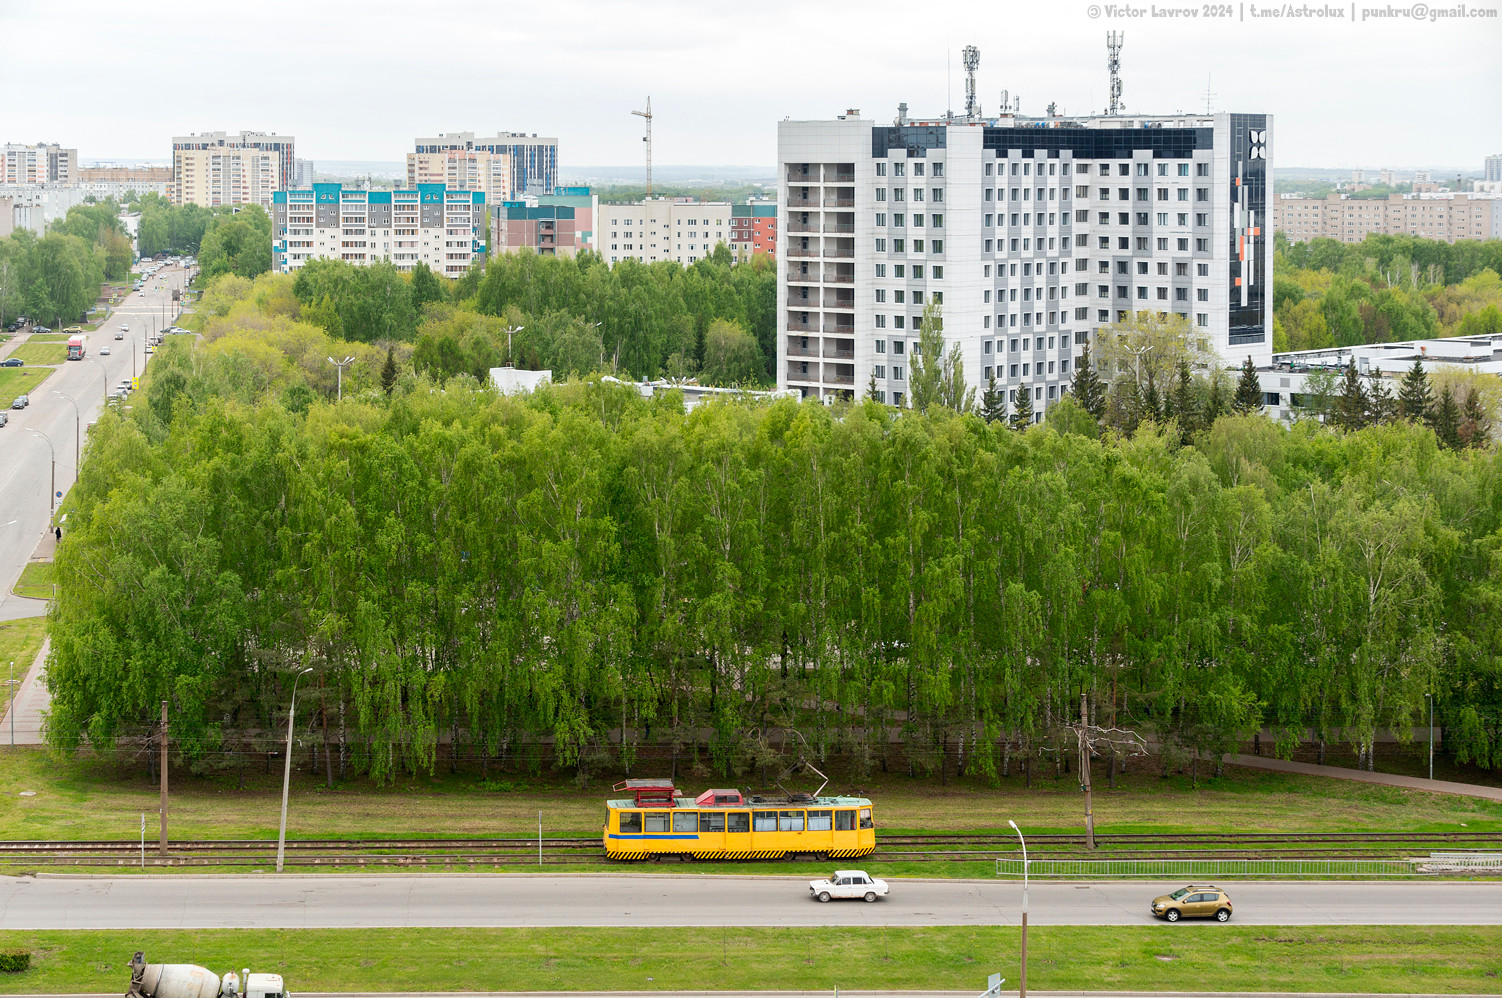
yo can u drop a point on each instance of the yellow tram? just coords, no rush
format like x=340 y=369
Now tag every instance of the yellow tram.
x=722 y=824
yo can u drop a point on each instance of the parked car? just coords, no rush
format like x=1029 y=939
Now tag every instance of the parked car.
x=1194 y=901
x=41 y=329
x=848 y=884
x=21 y=402
x=12 y=362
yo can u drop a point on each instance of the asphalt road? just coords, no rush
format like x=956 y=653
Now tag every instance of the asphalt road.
x=333 y=901
x=25 y=460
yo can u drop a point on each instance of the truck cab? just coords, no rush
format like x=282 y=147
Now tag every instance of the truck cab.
x=264 y=986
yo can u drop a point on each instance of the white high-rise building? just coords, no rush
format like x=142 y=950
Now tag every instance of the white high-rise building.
x=1031 y=233
x=661 y=229
x=506 y=166
x=442 y=228
x=47 y=163
x=216 y=168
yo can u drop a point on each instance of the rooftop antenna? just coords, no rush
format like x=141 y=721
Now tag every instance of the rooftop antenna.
x=1114 y=41
x=970 y=57
x=648 y=140
x=1209 y=94
x=1006 y=102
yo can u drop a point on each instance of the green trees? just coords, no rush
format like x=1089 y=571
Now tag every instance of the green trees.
x=1086 y=387
x=236 y=241
x=936 y=378
x=993 y=402
x=1413 y=397
x=1248 y=397
x=583 y=572
x=731 y=356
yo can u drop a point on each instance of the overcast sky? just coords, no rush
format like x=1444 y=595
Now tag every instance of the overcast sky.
x=359 y=80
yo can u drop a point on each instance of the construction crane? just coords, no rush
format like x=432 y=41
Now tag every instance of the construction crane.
x=648 y=140
x=970 y=58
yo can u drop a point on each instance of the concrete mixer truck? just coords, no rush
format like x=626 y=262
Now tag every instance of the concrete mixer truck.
x=185 y=980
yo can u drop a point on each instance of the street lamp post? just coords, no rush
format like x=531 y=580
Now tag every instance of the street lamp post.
x=1430 y=698
x=77 y=427
x=509 y=331
x=1022 y=983
x=52 y=494
x=341 y=365
x=281 y=837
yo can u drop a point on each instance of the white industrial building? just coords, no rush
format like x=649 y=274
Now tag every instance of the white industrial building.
x=1032 y=233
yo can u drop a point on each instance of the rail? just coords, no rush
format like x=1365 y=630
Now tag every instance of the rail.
x=1201 y=869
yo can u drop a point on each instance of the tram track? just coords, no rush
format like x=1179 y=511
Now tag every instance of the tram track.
x=585 y=851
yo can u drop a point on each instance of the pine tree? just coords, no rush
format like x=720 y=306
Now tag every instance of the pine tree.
x=388 y=373
x=1351 y=405
x=1248 y=390
x=1382 y=408
x=1475 y=427
x=1414 y=399
x=1447 y=420
x=1151 y=408
x=1185 y=403
x=993 y=404
x=1215 y=403
x=873 y=393
x=1086 y=387
x=1022 y=413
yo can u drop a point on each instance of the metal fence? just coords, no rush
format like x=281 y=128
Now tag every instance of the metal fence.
x=1203 y=869
x=1490 y=861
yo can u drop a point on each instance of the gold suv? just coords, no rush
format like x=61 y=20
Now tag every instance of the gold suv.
x=1194 y=901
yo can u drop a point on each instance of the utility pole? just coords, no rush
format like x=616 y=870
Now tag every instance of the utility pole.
x=1085 y=774
x=648 y=140
x=162 y=837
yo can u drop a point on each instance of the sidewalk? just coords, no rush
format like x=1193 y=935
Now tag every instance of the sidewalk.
x=1362 y=776
x=32 y=698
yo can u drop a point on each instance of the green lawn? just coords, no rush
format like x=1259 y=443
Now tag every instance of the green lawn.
x=19 y=381
x=1396 y=959
x=42 y=353
x=47 y=338
x=86 y=798
x=36 y=580
x=20 y=640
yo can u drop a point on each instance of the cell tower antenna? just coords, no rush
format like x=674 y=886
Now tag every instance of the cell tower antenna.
x=1114 y=40
x=970 y=57
x=648 y=140
x=1210 y=95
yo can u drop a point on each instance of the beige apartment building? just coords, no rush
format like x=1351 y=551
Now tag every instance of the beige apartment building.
x=45 y=163
x=1447 y=217
x=662 y=229
x=217 y=168
x=504 y=167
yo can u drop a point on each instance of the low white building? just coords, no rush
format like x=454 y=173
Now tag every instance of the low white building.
x=514 y=381
x=677 y=229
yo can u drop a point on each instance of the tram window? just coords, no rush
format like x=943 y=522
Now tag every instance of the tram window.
x=844 y=821
x=790 y=821
x=764 y=821
x=658 y=821
x=685 y=821
x=737 y=821
x=631 y=822
x=820 y=821
x=866 y=818
x=711 y=821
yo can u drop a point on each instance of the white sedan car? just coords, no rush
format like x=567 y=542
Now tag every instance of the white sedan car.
x=848 y=884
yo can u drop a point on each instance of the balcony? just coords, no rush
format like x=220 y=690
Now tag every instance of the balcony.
x=802 y=327
x=841 y=253
x=799 y=201
x=831 y=277
x=840 y=379
x=830 y=353
x=797 y=276
x=800 y=176
x=840 y=227
x=795 y=350
x=844 y=201
x=802 y=227
x=838 y=328
x=839 y=176
x=796 y=373
x=805 y=253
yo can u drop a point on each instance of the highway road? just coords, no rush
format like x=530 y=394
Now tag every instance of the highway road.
x=25 y=459
x=334 y=901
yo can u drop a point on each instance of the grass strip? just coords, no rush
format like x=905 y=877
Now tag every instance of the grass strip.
x=36 y=580
x=1390 y=959
x=42 y=353
x=20 y=640
x=89 y=798
x=16 y=381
